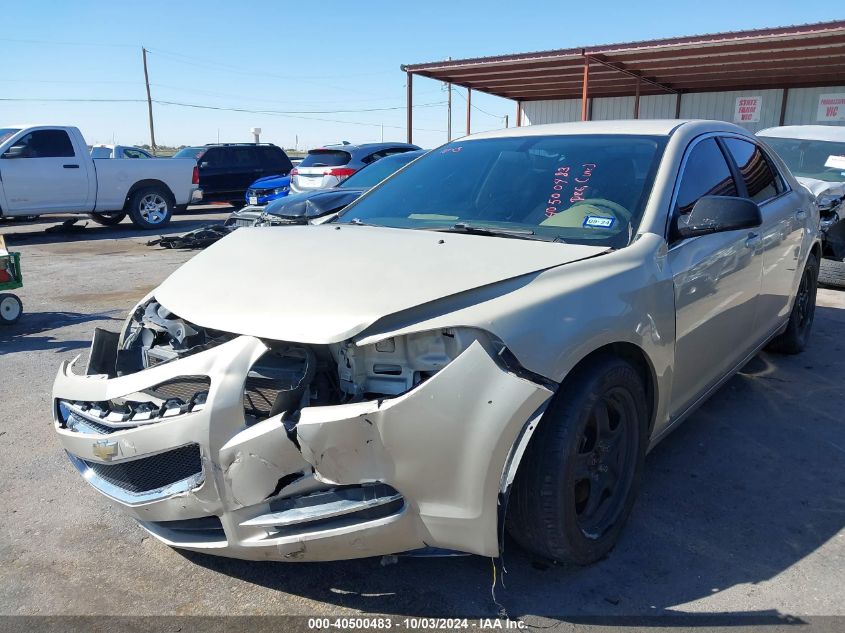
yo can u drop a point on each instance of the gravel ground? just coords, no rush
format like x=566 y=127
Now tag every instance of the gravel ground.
x=741 y=512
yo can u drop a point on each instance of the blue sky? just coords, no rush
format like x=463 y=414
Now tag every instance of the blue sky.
x=306 y=57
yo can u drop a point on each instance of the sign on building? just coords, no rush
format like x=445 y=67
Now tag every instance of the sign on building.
x=831 y=108
x=747 y=109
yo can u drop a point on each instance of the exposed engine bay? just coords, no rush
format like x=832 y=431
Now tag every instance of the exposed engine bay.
x=291 y=376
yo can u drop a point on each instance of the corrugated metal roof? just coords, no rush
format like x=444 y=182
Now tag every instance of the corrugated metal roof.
x=788 y=56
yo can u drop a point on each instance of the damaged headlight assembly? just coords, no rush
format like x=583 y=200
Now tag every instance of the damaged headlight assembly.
x=291 y=376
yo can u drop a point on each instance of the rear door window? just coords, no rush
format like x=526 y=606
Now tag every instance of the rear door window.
x=215 y=157
x=274 y=160
x=245 y=157
x=326 y=158
x=755 y=169
x=706 y=173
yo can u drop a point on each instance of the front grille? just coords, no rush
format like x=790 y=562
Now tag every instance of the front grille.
x=151 y=473
x=260 y=395
x=205 y=526
x=184 y=388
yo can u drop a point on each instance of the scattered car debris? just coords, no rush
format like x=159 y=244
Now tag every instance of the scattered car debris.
x=198 y=238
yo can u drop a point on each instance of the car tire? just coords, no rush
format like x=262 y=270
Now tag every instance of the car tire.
x=832 y=273
x=108 y=219
x=151 y=208
x=579 y=476
x=11 y=308
x=794 y=338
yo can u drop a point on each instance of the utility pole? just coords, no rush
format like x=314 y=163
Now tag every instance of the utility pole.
x=449 y=114
x=149 y=101
x=449 y=111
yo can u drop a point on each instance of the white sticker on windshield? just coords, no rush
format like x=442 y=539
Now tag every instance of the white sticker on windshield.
x=835 y=162
x=598 y=222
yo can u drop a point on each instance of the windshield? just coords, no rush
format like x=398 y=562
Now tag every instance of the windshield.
x=189 y=152
x=326 y=158
x=585 y=189
x=7 y=132
x=374 y=173
x=808 y=158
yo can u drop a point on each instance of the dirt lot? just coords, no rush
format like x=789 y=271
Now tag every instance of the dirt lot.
x=742 y=509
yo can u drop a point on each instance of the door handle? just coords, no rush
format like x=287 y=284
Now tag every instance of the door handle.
x=801 y=214
x=71 y=166
x=753 y=240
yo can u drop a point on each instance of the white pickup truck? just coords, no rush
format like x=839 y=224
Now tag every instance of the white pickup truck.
x=49 y=169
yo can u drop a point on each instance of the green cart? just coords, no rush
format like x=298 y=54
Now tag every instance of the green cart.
x=11 y=307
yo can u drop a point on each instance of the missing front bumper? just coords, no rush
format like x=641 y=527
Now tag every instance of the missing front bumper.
x=370 y=478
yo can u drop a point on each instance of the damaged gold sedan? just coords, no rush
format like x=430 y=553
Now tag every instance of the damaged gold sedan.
x=490 y=339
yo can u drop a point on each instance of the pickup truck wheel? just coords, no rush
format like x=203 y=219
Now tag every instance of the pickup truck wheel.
x=11 y=308
x=794 y=339
x=832 y=273
x=151 y=208
x=108 y=219
x=578 y=478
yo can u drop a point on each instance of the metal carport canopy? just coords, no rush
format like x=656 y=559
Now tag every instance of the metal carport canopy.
x=783 y=57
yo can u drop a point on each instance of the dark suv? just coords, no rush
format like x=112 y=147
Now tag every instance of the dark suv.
x=228 y=169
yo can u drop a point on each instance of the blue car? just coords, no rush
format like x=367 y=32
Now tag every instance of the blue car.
x=267 y=189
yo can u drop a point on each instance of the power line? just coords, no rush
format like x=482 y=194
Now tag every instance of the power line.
x=213 y=107
x=42 y=42
x=252 y=71
x=281 y=113
x=496 y=116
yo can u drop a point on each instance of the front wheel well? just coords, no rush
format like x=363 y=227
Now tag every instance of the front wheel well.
x=639 y=361
x=143 y=184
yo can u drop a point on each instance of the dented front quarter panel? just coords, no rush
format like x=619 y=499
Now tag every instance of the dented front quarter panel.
x=552 y=320
x=443 y=446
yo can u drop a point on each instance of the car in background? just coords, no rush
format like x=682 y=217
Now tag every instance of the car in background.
x=816 y=156
x=226 y=170
x=267 y=189
x=299 y=208
x=119 y=151
x=48 y=169
x=328 y=166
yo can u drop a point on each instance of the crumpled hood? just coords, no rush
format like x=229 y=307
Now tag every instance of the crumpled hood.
x=313 y=204
x=327 y=283
x=818 y=187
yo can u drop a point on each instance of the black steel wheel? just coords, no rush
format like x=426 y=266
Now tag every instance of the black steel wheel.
x=578 y=479
x=794 y=338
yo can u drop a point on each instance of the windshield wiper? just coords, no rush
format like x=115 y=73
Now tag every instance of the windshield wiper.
x=520 y=234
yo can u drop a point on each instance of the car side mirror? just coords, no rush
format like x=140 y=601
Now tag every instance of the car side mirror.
x=717 y=214
x=15 y=151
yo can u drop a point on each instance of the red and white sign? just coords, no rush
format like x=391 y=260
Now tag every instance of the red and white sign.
x=747 y=109
x=831 y=108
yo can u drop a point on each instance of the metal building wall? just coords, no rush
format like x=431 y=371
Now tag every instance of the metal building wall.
x=563 y=110
x=801 y=107
x=720 y=106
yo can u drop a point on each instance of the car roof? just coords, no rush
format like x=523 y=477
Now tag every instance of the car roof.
x=806 y=132
x=640 y=127
x=352 y=149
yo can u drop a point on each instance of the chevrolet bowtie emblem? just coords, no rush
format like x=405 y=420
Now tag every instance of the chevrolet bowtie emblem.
x=104 y=449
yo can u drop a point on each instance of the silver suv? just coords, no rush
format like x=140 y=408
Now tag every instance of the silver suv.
x=329 y=166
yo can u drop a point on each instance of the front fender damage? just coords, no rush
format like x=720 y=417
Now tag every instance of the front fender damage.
x=443 y=445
